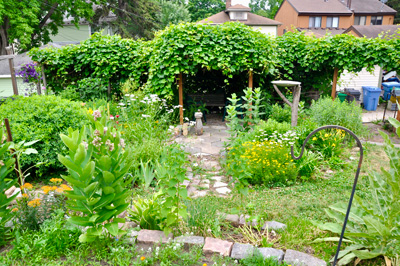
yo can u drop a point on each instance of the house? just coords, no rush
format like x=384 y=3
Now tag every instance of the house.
x=243 y=15
x=385 y=31
x=333 y=15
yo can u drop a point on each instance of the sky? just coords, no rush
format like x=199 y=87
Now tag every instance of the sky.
x=242 y=2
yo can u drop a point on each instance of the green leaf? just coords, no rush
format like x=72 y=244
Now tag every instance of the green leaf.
x=108 y=177
x=86 y=238
x=365 y=254
x=81 y=221
x=112 y=228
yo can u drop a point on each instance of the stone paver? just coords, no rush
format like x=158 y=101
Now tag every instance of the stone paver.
x=153 y=237
x=201 y=193
x=217 y=246
x=233 y=219
x=223 y=190
x=217 y=178
x=132 y=236
x=296 y=258
x=241 y=251
x=220 y=184
x=272 y=252
x=272 y=225
x=189 y=241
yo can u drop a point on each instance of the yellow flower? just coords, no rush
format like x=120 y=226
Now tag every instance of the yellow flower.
x=55 y=180
x=65 y=187
x=205 y=264
x=34 y=203
x=142 y=258
x=26 y=186
x=59 y=190
x=333 y=145
x=326 y=135
x=314 y=138
x=90 y=111
x=14 y=210
x=25 y=195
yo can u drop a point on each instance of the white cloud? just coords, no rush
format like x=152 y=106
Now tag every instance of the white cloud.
x=242 y=2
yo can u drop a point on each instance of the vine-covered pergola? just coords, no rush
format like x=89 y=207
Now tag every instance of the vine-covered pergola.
x=232 y=48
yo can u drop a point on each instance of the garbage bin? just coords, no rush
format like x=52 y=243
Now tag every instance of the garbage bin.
x=387 y=87
x=371 y=97
x=342 y=96
x=352 y=92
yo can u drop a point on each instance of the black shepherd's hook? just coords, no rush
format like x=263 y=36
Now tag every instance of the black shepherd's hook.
x=355 y=179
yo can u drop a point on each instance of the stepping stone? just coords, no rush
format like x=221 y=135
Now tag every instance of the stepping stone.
x=272 y=252
x=153 y=237
x=189 y=241
x=296 y=258
x=223 y=190
x=189 y=175
x=214 y=246
x=220 y=184
x=201 y=154
x=232 y=218
x=198 y=193
x=272 y=225
x=205 y=185
x=132 y=236
x=241 y=251
x=217 y=178
x=186 y=183
x=243 y=218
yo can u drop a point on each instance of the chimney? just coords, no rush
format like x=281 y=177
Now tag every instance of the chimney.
x=349 y=4
x=228 y=3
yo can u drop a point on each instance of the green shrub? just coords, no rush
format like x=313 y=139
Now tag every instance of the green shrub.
x=90 y=88
x=42 y=118
x=281 y=114
x=327 y=112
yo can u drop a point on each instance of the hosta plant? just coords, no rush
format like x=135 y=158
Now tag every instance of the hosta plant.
x=6 y=166
x=97 y=164
x=373 y=228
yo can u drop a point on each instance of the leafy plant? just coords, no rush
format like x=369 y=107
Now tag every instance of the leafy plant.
x=6 y=166
x=257 y=259
x=147 y=213
x=281 y=114
x=373 y=228
x=42 y=118
x=89 y=88
x=97 y=164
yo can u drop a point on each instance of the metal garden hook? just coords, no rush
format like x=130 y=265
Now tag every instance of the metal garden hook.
x=355 y=179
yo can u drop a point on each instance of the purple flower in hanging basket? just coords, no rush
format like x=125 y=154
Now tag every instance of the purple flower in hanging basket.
x=29 y=73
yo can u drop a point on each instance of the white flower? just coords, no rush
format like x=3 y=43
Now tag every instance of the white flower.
x=121 y=104
x=145 y=115
x=127 y=95
x=186 y=119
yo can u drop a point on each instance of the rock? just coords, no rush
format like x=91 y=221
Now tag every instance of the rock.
x=241 y=251
x=17 y=191
x=128 y=225
x=198 y=193
x=223 y=190
x=217 y=178
x=123 y=214
x=132 y=236
x=272 y=252
x=220 y=184
x=329 y=171
x=186 y=183
x=189 y=175
x=201 y=154
x=296 y=258
x=10 y=191
x=204 y=185
x=217 y=246
x=189 y=241
x=272 y=225
x=153 y=237
x=232 y=218
x=243 y=218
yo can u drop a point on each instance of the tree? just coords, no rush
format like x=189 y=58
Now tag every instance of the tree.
x=201 y=9
x=395 y=4
x=134 y=18
x=265 y=8
x=172 y=12
x=31 y=22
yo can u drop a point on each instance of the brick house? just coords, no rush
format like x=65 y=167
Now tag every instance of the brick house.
x=333 y=15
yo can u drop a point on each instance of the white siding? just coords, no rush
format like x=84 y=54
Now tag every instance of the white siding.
x=271 y=30
x=357 y=80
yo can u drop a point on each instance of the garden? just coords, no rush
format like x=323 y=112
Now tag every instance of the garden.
x=92 y=167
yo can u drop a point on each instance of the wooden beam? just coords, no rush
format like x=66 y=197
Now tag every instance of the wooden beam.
x=335 y=77
x=251 y=79
x=12 y=71
x=180 y=77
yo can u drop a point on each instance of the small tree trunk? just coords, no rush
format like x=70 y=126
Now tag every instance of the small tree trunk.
x=335 y=77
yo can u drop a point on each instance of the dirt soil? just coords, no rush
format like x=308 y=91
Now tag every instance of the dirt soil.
x=374 y=135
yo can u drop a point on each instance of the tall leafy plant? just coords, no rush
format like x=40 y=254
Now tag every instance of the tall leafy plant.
x=97 y=164
x=373 y=228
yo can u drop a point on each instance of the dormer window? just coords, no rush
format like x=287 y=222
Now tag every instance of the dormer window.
x=238 y=15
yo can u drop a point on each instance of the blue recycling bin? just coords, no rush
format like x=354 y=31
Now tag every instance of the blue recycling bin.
x=387 y=87
x=371 y=97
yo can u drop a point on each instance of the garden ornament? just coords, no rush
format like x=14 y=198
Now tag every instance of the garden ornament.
x=199 y=125
x=355 y=179
x=185 y=129
x=296 y=96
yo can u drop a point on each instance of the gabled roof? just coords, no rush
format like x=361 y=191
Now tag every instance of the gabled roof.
x=339 y=7
x=252 y=20
x=321 y=32
x=238 y=7
x=373 y=31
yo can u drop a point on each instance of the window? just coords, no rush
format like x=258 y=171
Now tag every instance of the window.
x=376 y=20
x=332 y=22
x=238 y=15
x=360 y=20
x=314 y=22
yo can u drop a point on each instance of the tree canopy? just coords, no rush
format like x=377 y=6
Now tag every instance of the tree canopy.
x=201 y=9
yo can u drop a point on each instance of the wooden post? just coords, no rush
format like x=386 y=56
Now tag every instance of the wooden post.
x=9 y=139
x=44 y=80
x=38 y=88
x=295 y=106
x=180 y=98
x=109 y=90
x=251 y=79
x=12 y=71
x=335 y=77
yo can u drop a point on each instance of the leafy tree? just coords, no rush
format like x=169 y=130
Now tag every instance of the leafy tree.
x=265 y=8
x=395 y=4
x=201 y=9
x=172 y=12
x=32 y=22
x=134 y=18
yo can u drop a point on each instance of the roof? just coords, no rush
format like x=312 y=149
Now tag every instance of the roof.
x=373 y=31
x=238 y=7
x=370 y=7
x=321 y=32
x=320 y=7
x=252 y=20
x=339 y=7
